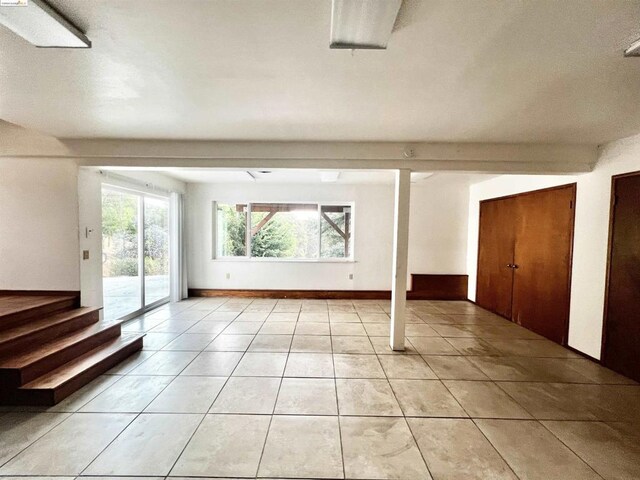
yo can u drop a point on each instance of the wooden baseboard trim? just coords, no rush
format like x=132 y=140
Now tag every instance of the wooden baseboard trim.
x=306 y=294
x=315 y=294
x=41 y=293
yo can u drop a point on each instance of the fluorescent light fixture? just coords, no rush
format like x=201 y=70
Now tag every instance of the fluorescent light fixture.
x=39 y=24
x=329 y=177
x=633 y=50
x=362 y=23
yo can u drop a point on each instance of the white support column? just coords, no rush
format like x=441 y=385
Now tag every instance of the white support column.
x=400 y=254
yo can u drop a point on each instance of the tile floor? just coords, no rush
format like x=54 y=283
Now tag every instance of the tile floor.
x=246 y=388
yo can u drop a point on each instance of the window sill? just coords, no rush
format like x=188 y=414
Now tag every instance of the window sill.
x=282 y=260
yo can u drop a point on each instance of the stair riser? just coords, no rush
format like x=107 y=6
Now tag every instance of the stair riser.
x=50 y=333
x=9 y=321
x=16 y=377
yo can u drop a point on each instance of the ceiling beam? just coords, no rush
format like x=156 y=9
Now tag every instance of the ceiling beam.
x=418 y=157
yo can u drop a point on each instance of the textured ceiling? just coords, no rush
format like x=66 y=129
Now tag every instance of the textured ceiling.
x=455 y=71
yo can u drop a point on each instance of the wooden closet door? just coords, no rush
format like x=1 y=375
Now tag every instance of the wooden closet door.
x=543 y=254
x=622 y=312
x=495 y=254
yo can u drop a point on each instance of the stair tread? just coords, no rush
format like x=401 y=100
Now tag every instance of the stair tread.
x=68 y=371
x=12 y=304
x=43 y=323
x=20 y=360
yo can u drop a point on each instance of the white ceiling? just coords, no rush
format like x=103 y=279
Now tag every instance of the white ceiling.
x=455 y=71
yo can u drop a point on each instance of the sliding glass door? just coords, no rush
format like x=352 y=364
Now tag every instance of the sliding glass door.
x=135 y=252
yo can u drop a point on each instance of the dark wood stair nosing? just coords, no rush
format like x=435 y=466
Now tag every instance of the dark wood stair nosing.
x=55 y=306
x=50 y=396
x=14 y=377
x=50 y=332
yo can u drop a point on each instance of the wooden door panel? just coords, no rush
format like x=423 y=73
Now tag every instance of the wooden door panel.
x=495 y=252
x=622 y=312
x=543 y=254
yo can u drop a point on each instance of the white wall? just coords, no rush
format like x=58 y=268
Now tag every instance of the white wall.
x=591 y=234
x=437 y=242
x=39 y=224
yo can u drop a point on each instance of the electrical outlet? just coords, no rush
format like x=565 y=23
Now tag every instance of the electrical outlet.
x=351 y=276
x=228 y=275
x=85 y=254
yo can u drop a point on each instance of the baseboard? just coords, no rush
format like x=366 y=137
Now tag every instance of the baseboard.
x=42 y=293
x=306 y=294
x=439 y=287
x=316 y=294
x=582 y=354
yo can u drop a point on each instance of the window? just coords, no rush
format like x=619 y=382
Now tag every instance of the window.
x=305 y=231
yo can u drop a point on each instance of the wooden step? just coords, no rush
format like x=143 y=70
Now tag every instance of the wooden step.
x=23 y=367
x=36 y=332
x=18 y=309
x=56 y=385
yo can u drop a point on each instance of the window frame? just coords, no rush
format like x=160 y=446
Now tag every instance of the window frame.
x=248 y=258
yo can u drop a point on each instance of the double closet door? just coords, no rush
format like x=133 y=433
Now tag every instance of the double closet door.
x=524 y=259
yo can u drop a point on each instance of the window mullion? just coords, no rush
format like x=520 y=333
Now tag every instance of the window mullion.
x=248 y=229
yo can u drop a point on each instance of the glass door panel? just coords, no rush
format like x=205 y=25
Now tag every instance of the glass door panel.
x=122 y=286
x=156 y=249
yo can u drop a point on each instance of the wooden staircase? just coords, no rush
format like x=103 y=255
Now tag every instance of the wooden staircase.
x=50 y=347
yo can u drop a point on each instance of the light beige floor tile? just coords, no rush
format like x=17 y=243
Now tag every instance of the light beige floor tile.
x=230 y=343
x=208 y=327
x=290 y=317
x=188 y=395
x=348 y=329
x=307 y=396
x=155 y=341
x=80 y=397
x=596 y=373
x=174 y=326
x=531 y=348
x=357 y=366
x=377 y=329
x=312 y=328
x=249 y=316
x=277 y=328
x=131 y=362
x=351 y=345
x=533 y=452
x=190 y=342
x=609 y=451
x=311 y=344
x=225 y=446
x=302 y=447
x=69 y=447
x=528 y=369
x=242 y=328
x=374 y=318
x=309 y=365
x=420 y=330
x=255 y=364
x=485 y=400
x=432 y=346
x=149 y=446
x=314 y=317
x=452 y=330
x=472 y=346
x=366 y=397
x=247 y=395
x=270 y=343
x=222 y=316
x=19 y=430
x=165 y=363
x=381 y=448
x=130 y=394
x=449 y=367
x=343 y=317
x=426 y=398
x=406 y=366
x=455 y=449
x=214 y=364
x=381 y=347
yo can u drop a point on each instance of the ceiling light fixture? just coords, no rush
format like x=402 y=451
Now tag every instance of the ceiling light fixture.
x=633 y=50
x=362 y=24
x=40 y=24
